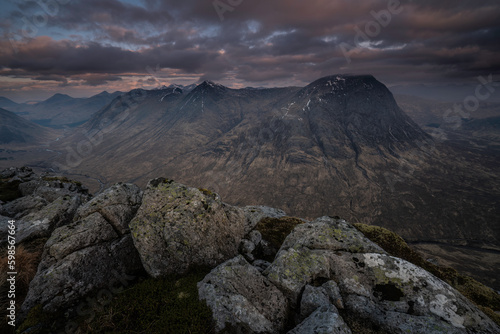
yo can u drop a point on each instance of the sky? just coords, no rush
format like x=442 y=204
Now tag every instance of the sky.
x=83 y=47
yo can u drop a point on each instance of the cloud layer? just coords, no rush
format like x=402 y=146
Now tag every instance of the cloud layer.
x=94 y=45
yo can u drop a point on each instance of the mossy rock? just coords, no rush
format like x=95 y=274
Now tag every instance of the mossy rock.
x=484 y=297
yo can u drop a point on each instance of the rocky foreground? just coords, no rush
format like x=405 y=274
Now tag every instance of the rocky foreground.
x=322 y=276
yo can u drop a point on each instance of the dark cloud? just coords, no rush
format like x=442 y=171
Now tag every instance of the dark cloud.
x=257 y=42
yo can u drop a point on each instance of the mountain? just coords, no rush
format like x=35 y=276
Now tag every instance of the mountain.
x=339 y=146
x=61 y=110
x=7 y=103
x=15 y=130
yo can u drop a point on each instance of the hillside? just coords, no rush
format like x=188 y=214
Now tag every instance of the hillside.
x=15 y=130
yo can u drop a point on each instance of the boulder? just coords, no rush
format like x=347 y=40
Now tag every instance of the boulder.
x=327 y=233
x=86 y=256
x=312 y=299
x=325 y=319
x=178 y=227
x=306 y=254
x=294 y=268
x=255 y=214
x=23 y=206
x=117 y=204
x=242 y=300
x=41 y=224
x=388 y=292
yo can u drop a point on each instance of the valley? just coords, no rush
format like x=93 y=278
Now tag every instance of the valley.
x=341 y=146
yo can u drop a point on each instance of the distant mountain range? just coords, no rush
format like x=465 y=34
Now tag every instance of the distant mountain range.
x=60 y=110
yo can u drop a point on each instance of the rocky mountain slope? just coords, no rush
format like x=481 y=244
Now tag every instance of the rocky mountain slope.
x=267 y=273
x=15 y=130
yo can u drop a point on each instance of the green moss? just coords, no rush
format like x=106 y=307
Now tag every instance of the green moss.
x=165 y=305
x=9 y=191
x=61 y=179
x=275 y=230
x=484 y=297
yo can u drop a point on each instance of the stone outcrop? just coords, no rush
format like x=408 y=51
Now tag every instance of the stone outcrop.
x=90 y=254
x=327 y=268
x=44 y=204
x=324 y=277
x=242 y=299
x=178 y=227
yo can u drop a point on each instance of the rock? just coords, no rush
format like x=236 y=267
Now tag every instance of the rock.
x=23 y=206
x=388 y=292
x=255 y=237
x=8 y=173
x=51 y=188
x=117 y=204
x=399 y=290
x=41 y=224
x=254 y=215
x=246 y=248
x=242 y=300
x=177 y=227
x=293 y=269
x=325 y=319
x=307 y=252
x=261 y=265
x=333 y=292
x=312 y=299
x=91 y=254
x=330 y=234
x=22 y=173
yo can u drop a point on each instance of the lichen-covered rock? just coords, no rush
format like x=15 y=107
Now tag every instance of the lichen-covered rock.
x=23 y=206
x=294 y=268
x=325 y=319
x=306 y=253
x=398 y=290
x=330 y=234
x=388 y=292
x=42 y=223
x=85 y=256
x=177 y=227
x=242 y=300
x=117 y=204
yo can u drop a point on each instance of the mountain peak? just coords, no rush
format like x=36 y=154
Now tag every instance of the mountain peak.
x=211 y=84
x=58 y=97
